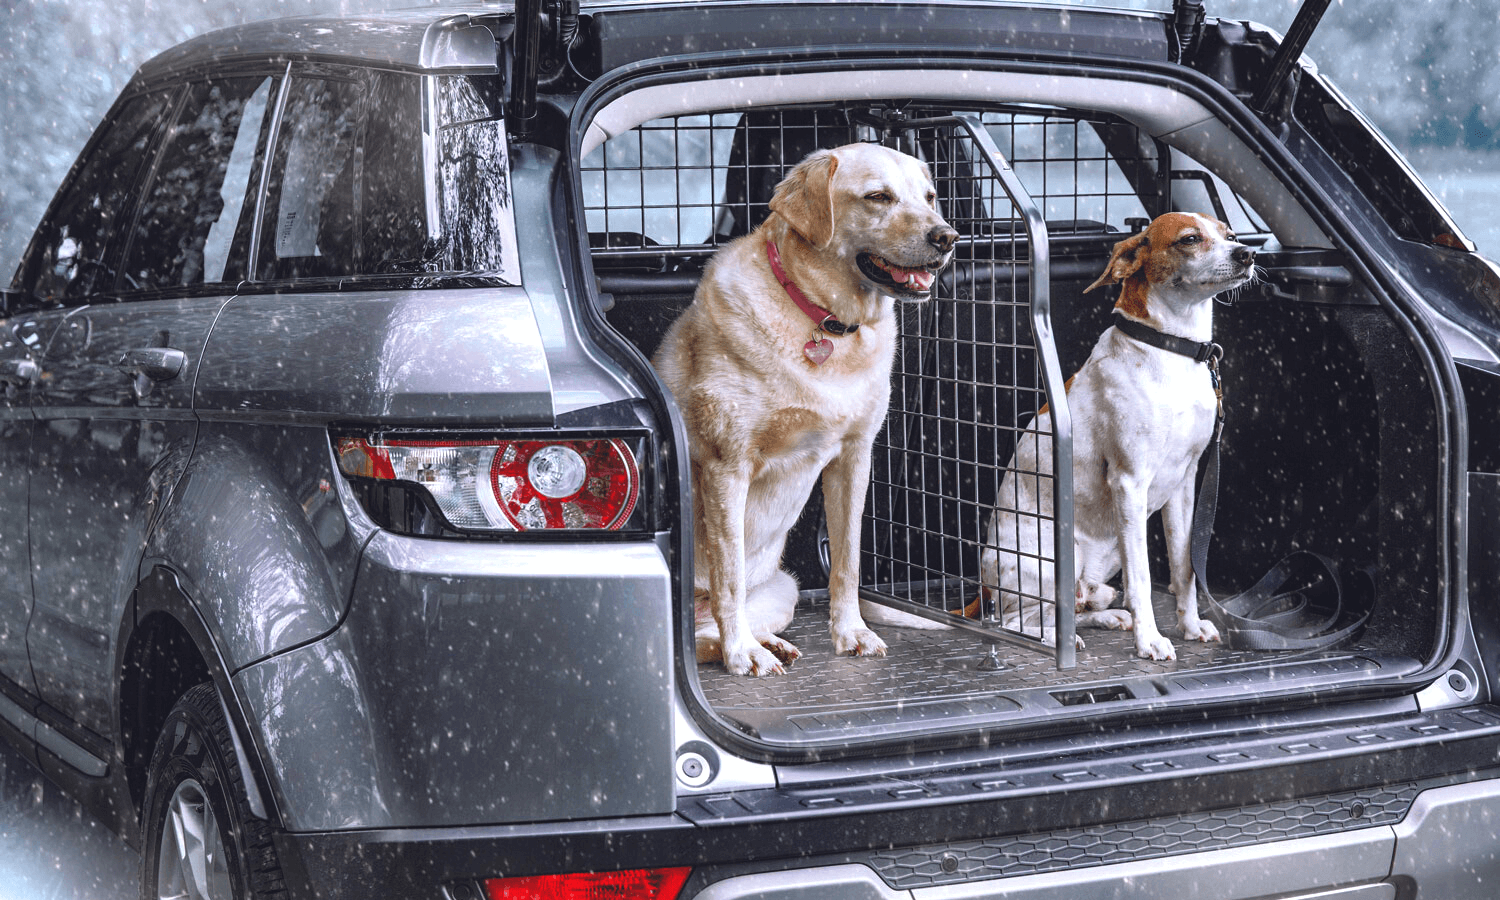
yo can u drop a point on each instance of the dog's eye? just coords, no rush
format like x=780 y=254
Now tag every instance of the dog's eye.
x=1189 y=239
x=931 y=198
x=878 y=197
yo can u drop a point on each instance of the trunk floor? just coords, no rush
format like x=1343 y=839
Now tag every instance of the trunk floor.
x=930 y=665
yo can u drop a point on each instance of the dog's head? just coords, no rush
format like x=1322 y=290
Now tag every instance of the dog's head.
x=1189 y=254
x=873 y=208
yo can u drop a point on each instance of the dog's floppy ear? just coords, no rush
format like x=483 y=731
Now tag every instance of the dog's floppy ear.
x=1124 y=262
x=805 y=197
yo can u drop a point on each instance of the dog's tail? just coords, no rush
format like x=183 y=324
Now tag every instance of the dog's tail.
x=884 y=615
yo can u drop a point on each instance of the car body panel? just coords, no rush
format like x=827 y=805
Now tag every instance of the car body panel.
x=20 y=340
x=258 y=540
x=411 y=39
x=103 y=458
x=435 y=356
x=553 y=673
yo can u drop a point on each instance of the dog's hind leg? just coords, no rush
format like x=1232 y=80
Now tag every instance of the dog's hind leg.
x=1094 y=608
x=769 y=607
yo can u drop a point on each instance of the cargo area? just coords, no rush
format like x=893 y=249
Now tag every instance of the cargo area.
x=1331 y=440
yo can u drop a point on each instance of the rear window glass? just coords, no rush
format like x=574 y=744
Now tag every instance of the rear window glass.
x=357 y=188
x=309 y=229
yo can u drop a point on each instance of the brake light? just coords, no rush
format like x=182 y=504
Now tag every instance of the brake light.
x=577 y=484
x=635 y=884
x=508 y=485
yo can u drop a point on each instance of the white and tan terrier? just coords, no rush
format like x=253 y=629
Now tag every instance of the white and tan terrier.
x=1142 y=415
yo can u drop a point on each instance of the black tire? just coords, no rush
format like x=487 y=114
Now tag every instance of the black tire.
x=194 y=781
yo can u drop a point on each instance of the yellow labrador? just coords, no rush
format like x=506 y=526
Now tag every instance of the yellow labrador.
x=781 y=366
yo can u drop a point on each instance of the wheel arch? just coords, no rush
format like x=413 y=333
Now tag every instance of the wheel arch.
x=167 y=652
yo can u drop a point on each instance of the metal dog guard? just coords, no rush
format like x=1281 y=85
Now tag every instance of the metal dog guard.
x=962 y=377
x=975 y=364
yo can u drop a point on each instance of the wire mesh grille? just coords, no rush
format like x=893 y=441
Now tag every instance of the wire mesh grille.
x=1075 y=168
x=968 y=380
x=692 y=183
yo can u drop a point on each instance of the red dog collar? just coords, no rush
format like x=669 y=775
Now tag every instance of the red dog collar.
x=820 y=316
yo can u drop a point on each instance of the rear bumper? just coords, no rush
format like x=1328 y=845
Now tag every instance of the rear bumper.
x=1419 y=813
x=1444 y=847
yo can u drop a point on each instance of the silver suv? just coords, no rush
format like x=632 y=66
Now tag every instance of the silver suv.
x=346 y=548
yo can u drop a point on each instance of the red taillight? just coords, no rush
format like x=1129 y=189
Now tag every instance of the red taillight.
x=508 y=485
x=360 y=457
x=584 y=484
x=634 y=884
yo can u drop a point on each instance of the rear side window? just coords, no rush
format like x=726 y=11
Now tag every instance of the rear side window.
x=71 y=256
x=309 y=230
x=194 y=223
x=346 y=190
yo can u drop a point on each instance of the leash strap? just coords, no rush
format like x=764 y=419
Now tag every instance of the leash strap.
x=1280 y=611
x=1270 y=615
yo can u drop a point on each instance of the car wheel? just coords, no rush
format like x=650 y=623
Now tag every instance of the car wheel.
x=198 y=839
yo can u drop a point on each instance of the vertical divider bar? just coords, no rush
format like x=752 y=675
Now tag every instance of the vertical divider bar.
x=1062 y=424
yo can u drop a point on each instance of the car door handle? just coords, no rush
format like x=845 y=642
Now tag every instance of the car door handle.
x=155 y=363
x=19 y=372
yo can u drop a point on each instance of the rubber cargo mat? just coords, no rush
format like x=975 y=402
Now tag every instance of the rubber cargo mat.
x=933 y=678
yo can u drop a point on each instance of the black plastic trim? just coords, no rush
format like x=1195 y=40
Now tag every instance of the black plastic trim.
x=787 y=828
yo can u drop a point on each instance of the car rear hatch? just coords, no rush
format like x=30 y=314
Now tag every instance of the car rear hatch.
x=1337 y=407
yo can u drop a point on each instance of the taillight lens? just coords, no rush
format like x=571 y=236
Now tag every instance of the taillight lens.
x=636 y=884
x=508 y=485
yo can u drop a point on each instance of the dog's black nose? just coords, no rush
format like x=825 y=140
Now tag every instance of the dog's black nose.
x=942 y=237
x=1244 y=256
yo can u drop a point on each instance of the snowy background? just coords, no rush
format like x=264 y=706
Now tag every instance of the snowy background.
x=1427 y=72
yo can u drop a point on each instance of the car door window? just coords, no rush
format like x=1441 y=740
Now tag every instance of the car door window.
x=477 y=229
x=193 y=227
x=72 y=256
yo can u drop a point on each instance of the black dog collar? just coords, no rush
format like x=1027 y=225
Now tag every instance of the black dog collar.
x=1198 y=351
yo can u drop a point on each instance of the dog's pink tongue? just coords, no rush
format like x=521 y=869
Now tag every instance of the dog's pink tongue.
x=920 y=280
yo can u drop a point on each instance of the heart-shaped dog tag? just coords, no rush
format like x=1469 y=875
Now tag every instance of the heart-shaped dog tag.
x=818 y=351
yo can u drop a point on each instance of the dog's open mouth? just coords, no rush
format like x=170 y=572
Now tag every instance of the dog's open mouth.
x=909 y=281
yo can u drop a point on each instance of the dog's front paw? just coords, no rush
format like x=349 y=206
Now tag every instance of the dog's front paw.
x=1154 y=647
x=857 y=642
x=1200 y=630
x=752 y=659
